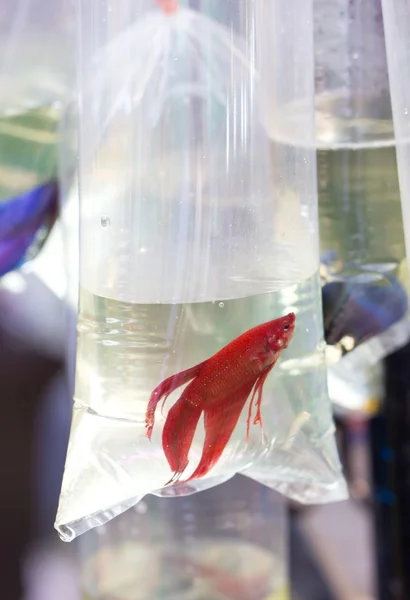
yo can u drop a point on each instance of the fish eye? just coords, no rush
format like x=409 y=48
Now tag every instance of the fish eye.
x=286 y=327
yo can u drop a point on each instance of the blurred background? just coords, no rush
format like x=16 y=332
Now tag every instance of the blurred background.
x=358 y=549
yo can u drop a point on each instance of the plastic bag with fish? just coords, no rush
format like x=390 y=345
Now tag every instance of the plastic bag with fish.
x=29 y=189
x=200 y=342
x=365 y=319
x=36 y=72
x=365 y=282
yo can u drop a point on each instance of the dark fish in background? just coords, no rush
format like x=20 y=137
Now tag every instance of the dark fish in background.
x=25 y=222
x=361 y=307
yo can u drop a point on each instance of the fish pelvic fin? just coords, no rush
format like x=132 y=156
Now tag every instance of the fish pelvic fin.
x=258 y=389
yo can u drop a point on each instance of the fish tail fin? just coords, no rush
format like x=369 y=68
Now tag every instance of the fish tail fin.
x=164 y=389
x=220 y=422
x=178 y=433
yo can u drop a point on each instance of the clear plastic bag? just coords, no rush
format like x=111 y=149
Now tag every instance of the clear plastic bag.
x=396 y=23
x=361 y=226
x=30 y=104
x=196 y=227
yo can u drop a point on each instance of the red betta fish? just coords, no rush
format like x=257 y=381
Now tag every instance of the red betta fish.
x=219 y=388
x=168 y=6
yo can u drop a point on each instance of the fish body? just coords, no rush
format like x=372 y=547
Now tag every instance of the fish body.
x=219 y=387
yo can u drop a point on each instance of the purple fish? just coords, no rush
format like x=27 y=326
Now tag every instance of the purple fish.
x=25 y=221
x=361 y=310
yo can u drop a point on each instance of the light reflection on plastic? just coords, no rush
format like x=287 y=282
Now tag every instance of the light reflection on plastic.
x=14 y=282
x=347 y=342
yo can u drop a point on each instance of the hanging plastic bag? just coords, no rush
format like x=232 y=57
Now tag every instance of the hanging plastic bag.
x=198 y=250
x=396 y=21
x=361 y=227
x=29 y=113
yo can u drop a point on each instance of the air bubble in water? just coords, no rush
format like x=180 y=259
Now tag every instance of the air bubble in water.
x=221 y=305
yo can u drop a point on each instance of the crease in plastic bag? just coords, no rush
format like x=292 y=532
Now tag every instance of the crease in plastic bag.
x=125 y=348
x=151 y=78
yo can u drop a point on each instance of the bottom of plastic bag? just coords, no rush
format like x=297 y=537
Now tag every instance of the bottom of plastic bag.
x=356 y=381
x=378 y=347
x=359 y=390
x=301 y=491
x=69 y=531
